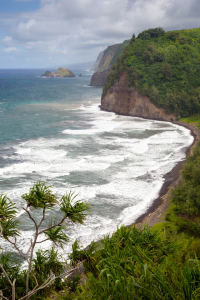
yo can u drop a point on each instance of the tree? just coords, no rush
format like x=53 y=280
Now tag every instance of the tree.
x=167 y=71
x=151 y=33
x=155 y=94
x=40 y=197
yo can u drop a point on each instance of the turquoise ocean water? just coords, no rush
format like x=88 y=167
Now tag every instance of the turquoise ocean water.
x=51 y=129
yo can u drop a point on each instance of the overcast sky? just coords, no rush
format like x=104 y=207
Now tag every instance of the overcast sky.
x=42 y=33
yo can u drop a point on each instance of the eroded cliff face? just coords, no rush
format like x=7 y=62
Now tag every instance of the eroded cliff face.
x=122 y=99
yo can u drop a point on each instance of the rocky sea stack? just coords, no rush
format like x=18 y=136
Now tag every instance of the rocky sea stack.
x=61 y=72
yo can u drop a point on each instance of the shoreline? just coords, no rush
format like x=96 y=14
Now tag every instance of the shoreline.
x=155 y=213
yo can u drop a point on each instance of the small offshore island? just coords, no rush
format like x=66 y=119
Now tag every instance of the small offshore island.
x=61 y=72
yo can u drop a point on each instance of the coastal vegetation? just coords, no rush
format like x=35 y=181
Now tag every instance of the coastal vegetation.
x=45 y=269
x=136 y=262
x=164 y=66
x=162 y=262
x=187 y=195
x=195 y=120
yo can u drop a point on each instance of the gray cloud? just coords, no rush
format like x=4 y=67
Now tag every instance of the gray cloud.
x=78 y=30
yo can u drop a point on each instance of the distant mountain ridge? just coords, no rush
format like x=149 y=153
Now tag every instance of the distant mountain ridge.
x=105 y=61
x=97 y=62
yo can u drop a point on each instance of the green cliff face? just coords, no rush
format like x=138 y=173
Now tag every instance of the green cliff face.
x=165 y=67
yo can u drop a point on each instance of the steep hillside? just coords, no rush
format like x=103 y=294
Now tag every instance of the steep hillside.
x=124 y=100
x=110 y=55
x=97 y=62
x=165 y=67
x=105 y=61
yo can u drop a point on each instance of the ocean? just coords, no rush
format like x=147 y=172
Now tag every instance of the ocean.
x=53 y=130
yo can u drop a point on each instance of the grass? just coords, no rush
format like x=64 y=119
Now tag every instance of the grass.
x=195 y=119
x=137 y=264
x=170 y=227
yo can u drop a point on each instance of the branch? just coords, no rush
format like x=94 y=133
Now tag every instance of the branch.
x=32 y=249
x=1 y=230
x=28 y=250
x=42 y=241
x=35 y=282
x=30 y=216
x=50 y=280
x=15 y=245
x=3 y=297
x=46 y=283
x=53 y=226
x=1 y=294
x=4 y=272
x=42 y=218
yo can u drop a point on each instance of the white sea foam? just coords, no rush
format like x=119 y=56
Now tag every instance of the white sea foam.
x=117 y=164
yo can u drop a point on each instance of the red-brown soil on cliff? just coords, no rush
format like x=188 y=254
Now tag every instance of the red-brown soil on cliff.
x=122 y=99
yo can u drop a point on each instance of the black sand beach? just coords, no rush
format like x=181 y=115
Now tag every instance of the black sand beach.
x=160 y=204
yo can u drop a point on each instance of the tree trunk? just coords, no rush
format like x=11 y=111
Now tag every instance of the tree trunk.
x=1 y=294
x=13 y=290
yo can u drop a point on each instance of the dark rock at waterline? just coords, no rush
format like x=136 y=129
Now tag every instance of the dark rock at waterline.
x=99 y=78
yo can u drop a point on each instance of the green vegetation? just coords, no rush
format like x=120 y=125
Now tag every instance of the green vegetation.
x=195 y=119
x=187 y=196
x=165 y=66
x=61 y=72
x=120 y=49
x=45 y=269
x=162 y=262
x=64 y=72
x=139 y=263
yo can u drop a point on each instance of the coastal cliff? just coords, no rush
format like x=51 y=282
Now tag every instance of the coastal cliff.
x=151 y=62
x=99 y=78
x=104 y=62
x=96 y=65
x=122 y=99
